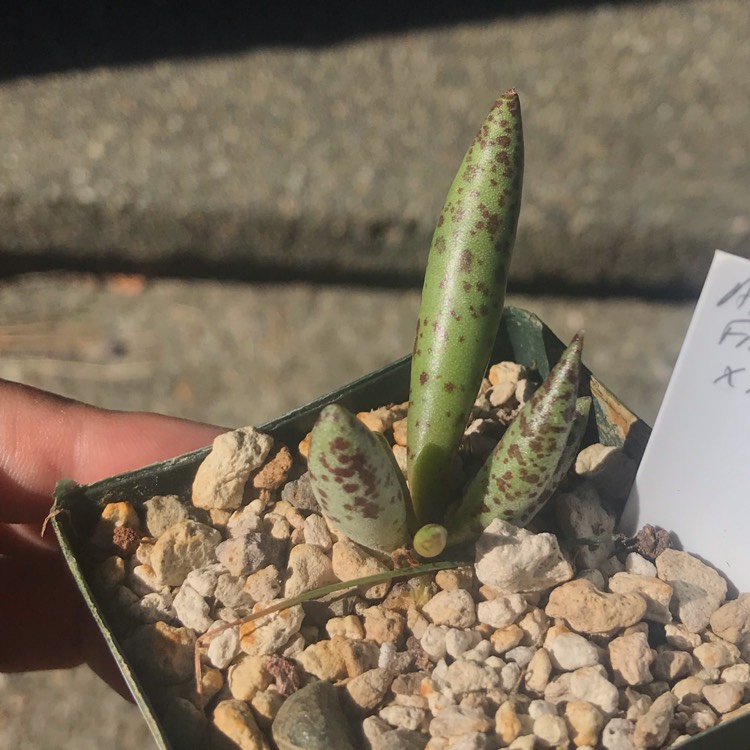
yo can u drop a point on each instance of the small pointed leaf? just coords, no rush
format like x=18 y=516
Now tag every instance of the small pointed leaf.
x=513 y=483
x=356 y=481
x=577 y=430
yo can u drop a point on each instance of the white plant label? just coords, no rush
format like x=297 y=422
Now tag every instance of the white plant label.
x=694 y=479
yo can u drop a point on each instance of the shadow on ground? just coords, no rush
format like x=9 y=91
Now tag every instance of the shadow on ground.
x=44 y=36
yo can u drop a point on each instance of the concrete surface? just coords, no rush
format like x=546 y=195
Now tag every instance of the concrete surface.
x=235 y=354
x=271 y=159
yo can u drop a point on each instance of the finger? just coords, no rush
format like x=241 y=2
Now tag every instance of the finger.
x=45 y=623
x=23 y=539
x=44 y=437
x=41 y=623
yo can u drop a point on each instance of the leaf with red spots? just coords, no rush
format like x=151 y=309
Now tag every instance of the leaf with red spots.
x=356 y=481
x=532 y=457
x=462 y=298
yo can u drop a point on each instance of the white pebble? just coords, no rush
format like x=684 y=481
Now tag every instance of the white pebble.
x=457 y=642
x=192 y=609
x=433 y=641
x=223 y=647
x=570 y=651
x=639 y=565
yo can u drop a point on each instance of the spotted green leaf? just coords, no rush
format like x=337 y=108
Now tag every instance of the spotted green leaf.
x=356 y=481
x=570 y=451
x=462 y=301
x=432 y=539
x=518 y=476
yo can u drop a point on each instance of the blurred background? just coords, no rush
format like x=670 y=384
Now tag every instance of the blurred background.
x=222 y=210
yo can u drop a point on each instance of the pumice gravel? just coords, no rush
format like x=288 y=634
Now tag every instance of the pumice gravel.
x=533 y=643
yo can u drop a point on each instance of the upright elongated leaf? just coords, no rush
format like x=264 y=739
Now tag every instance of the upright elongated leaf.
x=462 y=301
x=514 y=482
x=356 y=481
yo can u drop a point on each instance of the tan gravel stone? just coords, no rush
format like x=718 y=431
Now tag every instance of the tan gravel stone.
x=590 y=684
x=182 y=548
x=248 y=677
x=551 y=731
x=652 y=728
x=120 y=514
x=404 y=717
x=349 y=626
x=382 y=419
x=698 y=590
x=458 y=578
x=266 y=705
x=400 y=453
x=700 y=717
x=399 y=432
x=656 y=593
x=264 y=585
x=467 y=676
x=585 y=722
x=274 y=472
x=631 y=658
x=737 y=673
x=571 y=651
x=234 y=719
x=502 y=611
x=324 y=660
x=609 y=469
x=514 y=560
x=588 y=610
x=455 y=721
x=221 y=478
x=507 y=723
x=534 y=625
x=316 y=532
x=732 y=620
x=671 y=665
x=309 y=567
x=506 y=372
x=456 y=609
x=383 y=625
x=716 y=655
x=268 y=634
x=351 y=561
x=538 y=672
x=679 y=637
x=163 y=511
x=359 y=655
x=689 y=690
x=724 y=697
x=163 y=652
x=506 y=638
x=367 y=690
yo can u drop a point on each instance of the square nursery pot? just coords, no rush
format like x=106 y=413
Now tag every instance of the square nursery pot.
x=522 y=338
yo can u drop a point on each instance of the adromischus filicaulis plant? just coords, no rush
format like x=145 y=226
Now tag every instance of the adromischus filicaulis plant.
x=353 y=472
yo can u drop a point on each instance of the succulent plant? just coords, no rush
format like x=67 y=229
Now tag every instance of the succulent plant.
x=353 y=473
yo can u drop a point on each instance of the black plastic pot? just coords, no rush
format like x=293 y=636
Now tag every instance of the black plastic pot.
x=522 y=338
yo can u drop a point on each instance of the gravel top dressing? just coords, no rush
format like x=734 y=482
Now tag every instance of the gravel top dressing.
x=535 y=642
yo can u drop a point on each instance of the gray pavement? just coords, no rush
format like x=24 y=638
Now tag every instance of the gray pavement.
x=236 y=354
x=333 y=161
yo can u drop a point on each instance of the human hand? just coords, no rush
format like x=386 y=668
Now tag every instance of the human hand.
x=44 y=623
